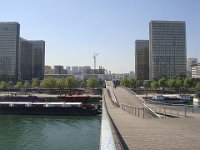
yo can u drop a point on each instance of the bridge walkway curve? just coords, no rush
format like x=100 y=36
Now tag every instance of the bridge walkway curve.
x=152 y=133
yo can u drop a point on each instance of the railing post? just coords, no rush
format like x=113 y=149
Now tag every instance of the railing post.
x=135 y=111
x=177 y=113
x=159 y=109
x=171 y=111
x=185 y=110
x=143 y=112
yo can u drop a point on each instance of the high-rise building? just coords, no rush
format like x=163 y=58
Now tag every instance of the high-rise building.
x=48 y=70
x=142 y=59
x=25 y=71
x=196 y=70
x=167 y=49
x=58 y=69
x=68 y=69
x=38 y=60
x=9 y=50
x=75 y=70
x=191 y=62
x=20 y=59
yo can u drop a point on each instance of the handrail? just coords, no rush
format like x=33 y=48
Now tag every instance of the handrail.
x=113 y=97
x=150 y=111
x=133 y=110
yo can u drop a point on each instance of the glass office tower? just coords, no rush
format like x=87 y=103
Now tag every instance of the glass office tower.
x=142 y=59
x=26 y=49
x=167 y=45
x=9 y=50
x=38 y=59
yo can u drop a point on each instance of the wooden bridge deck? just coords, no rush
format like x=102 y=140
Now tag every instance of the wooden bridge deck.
x=152 y=133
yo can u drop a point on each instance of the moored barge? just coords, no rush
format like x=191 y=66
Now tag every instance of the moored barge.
x=47 y=108
x=74 y=98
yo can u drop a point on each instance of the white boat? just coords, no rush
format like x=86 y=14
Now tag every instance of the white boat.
x=196 y=100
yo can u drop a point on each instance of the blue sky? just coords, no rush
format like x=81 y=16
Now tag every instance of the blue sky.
x=74 y=29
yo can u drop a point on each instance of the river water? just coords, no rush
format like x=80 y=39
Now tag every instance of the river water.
x=49 y=132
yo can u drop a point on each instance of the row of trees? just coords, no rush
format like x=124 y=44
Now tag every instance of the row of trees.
x=175 y=83
x=69 y=82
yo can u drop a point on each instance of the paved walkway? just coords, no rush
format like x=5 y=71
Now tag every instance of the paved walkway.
x=150 y=133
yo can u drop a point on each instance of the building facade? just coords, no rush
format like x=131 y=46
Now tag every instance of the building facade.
x=58 y=69
x=20 y=59
x=38 y=61
x=9 y=50
x=26 y=49
x=75 y=70
x=68 y=70
x=142 y=59
x=196 y=70
x=191 y=62
x=167 y=49
x=48 y=70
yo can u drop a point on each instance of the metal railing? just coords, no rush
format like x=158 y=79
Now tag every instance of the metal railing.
x=113 y=97
x=142 y=101
x=193 y=108
x=163 y=110
x=136 y=111
x=169 y=110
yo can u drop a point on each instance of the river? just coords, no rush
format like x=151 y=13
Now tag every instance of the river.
x=49 y=132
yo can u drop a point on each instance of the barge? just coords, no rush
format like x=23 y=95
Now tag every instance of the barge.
x=74 y=98
x=47 y=108
x=175 y=99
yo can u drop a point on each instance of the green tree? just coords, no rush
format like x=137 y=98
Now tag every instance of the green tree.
x=83 y=83
x=71 y=82
x=198 y=86
x=3 y=85
x=162 y=82
x=49 y=83
x=61 y=83
x=139 y=83
x=146 y=84
x=188 y=82
x=171 y=83
x=178 y=84
x=10 y=84
x=92 y=82
x=27 y=84
x=35 y=83
x=154 y=85
x=19 y=85
x=132 y=83
x=125 y=82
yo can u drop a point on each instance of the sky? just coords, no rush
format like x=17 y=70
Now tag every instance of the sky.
x=74 y=29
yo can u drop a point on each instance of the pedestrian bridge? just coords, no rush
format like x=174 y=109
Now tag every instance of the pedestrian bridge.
x=140 y=126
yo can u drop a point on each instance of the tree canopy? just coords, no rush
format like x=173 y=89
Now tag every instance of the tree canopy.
x=92 y=82
x=71 y=82
x=49 y=83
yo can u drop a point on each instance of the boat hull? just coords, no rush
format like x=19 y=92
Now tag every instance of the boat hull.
x=74 y=98
x=47 y=111
x=196 y=100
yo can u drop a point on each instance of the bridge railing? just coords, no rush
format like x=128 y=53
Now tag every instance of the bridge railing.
x=169 y=110
x=160 y=109
x=142 y=101
x=113 y=97
x=136 y=111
